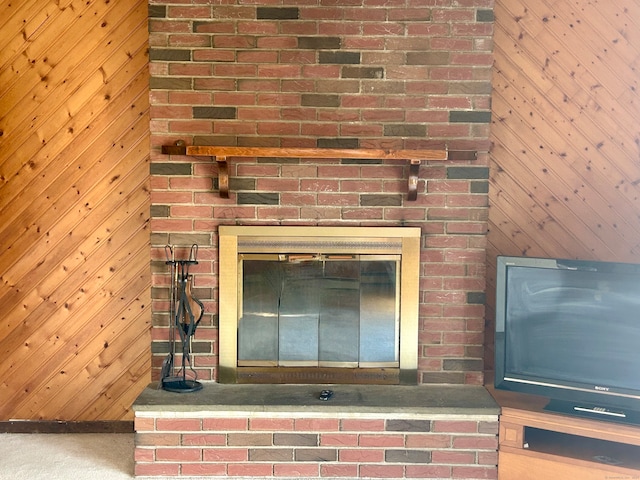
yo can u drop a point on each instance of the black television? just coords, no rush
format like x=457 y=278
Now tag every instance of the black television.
x=569 y=330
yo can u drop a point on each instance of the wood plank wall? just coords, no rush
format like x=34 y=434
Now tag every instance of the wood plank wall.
x=74 y=209
x=565 y=169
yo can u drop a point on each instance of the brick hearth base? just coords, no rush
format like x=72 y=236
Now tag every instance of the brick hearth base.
x=266 y=431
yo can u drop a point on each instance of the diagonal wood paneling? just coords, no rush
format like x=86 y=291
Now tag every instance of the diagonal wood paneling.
x=74 y=209
x=565 y=167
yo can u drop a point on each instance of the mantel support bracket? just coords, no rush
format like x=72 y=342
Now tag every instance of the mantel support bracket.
x=414 y=173
x=223 y=176
x=221 y=154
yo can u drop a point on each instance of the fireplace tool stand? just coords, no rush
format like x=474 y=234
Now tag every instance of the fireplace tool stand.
x=184 y=308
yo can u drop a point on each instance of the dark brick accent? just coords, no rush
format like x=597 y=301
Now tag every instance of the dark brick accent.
x=159 y=210
x=484 y=15
x=408 y=426
x=382 y=200
x=444 y=377
x=160 y=266
x=428 y=58
x=318 y=43
x=202 y=239
x=476 y=298
x=295 y=439
x=461 y=155
x=157 y=11
x=467 y=173
x=316 y=455
x=159 y=238
x=271 y=454
x=457 y=116
x=170 y=54
x=238 y=183
x=159 y=292
x=361 y=161
x=170 y=169
x=275 y=13
x=407 y=456
x=338 y=143
x=318 y=100
x=470 y=88
x=479 y=187
x=262 y=141
x=159 y=347
x=462 y=364
x=214 y=112
x=405 y=130
x=363 y=72
x=156 y=83
x=258 y=198
x=197 y=347
x=339 y=57
x=249 y=439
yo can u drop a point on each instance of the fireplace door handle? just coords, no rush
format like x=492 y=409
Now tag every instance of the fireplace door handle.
x=303 y=258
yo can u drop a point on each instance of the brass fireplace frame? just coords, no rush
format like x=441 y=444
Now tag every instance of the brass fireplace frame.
x=235 y=240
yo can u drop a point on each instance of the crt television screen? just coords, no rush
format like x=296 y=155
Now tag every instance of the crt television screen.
x=577 y=326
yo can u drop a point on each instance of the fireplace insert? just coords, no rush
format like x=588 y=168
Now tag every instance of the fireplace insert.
x=318 y=305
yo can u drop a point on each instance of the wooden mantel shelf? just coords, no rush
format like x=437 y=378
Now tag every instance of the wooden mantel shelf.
x=221 y=154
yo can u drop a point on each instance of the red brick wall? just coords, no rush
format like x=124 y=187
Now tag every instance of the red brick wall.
x=354 y=74
x=300 y=446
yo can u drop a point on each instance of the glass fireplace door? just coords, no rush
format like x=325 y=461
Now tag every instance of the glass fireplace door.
x=318 y=310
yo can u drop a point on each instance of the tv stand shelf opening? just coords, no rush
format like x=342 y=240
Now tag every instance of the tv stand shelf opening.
x=582 y=448
x=537 y=445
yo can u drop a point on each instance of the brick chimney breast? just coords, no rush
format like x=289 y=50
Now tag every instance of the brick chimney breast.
x=364 y=74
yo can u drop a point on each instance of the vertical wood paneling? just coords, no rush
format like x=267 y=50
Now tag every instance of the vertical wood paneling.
x=74 y=209
x=565 y=167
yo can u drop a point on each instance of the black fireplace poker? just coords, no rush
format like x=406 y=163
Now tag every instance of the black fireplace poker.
x=183 y=306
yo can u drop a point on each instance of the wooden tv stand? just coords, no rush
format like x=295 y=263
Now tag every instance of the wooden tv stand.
x=538 y=445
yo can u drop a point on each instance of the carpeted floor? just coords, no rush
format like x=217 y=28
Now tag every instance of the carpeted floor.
x=90 y=456
x=72 y=456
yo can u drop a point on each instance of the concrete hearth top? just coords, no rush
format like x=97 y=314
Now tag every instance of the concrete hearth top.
x=357 y=400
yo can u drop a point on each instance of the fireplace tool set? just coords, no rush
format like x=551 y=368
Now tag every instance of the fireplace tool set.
x=185 y=313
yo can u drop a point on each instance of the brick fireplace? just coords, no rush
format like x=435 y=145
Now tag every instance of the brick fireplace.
x=367 y=74
x=358 y=74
